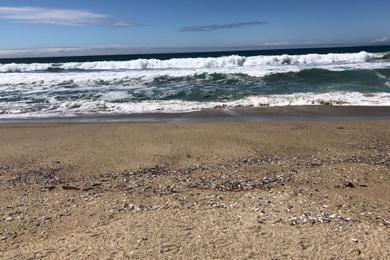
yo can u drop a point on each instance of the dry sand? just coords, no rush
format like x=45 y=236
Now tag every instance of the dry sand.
x=263 y=190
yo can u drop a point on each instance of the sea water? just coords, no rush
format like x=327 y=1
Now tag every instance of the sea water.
x=185 y=82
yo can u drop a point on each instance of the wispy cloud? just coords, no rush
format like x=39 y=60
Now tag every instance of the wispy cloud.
x=280 y=43
x=123 y=24
x=384 y=39
x=66 y=17
x=215 y=27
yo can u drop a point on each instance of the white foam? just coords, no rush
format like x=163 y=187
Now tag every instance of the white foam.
x=115 y=96
x=198 y=63
x=73 y=108
x=90 y=79
x=17 y=67
x=115 y=80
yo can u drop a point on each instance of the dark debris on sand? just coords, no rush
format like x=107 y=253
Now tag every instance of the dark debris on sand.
x=277 y=188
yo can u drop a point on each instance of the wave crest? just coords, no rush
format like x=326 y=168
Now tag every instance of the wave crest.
x=84 y=107
x=197 y=63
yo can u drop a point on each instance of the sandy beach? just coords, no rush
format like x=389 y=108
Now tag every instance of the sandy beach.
x=136 y=130
x=190 y=190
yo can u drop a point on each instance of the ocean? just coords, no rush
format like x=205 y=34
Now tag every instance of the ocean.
x=186 y=82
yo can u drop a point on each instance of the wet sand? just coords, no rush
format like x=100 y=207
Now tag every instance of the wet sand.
x=221 y=114
x=233 y=190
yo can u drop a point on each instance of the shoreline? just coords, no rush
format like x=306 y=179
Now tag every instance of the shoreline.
x=238 y=114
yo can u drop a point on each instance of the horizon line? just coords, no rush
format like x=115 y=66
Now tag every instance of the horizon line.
x=118 y=51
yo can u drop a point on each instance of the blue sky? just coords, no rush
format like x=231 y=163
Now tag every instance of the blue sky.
x=157 y=24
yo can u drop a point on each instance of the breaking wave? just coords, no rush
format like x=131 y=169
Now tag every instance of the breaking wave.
x=196 y=63
x=177 y=85
x=99 y=107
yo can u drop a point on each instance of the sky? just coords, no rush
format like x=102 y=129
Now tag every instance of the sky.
x=86 y=26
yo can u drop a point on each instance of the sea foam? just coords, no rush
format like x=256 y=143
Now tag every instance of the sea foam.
x=100 y=107
x=192 y=84
x=197 y=63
